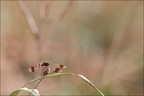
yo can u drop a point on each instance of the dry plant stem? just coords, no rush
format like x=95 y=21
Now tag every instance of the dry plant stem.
x=43 y=9
x=34 y=28
x=29 y=18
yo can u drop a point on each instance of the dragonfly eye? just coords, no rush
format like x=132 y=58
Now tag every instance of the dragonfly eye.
x=45 y=64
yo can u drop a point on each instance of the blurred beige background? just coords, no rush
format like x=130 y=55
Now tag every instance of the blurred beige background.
x=102 y=40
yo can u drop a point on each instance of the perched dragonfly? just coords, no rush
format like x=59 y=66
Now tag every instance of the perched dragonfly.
x=47 y=67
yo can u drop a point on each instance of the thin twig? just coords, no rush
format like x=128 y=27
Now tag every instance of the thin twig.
x=44 y=9
x=38 y=82
x=34 y=28
x=29 y=18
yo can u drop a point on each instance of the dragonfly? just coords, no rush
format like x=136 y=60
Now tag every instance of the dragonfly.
x=47 y=68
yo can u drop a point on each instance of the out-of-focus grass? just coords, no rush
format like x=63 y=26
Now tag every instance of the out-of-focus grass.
x=102 y=40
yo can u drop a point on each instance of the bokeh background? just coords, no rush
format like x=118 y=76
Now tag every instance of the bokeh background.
x=102 y=40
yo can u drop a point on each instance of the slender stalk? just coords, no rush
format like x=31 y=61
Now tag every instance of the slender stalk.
x=38 y=83
x=30 y=19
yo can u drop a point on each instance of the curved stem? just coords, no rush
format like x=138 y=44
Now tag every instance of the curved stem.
x=37 y=83
x=60 y=74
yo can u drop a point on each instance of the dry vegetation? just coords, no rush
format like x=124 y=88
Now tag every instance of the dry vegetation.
x=103 y=40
